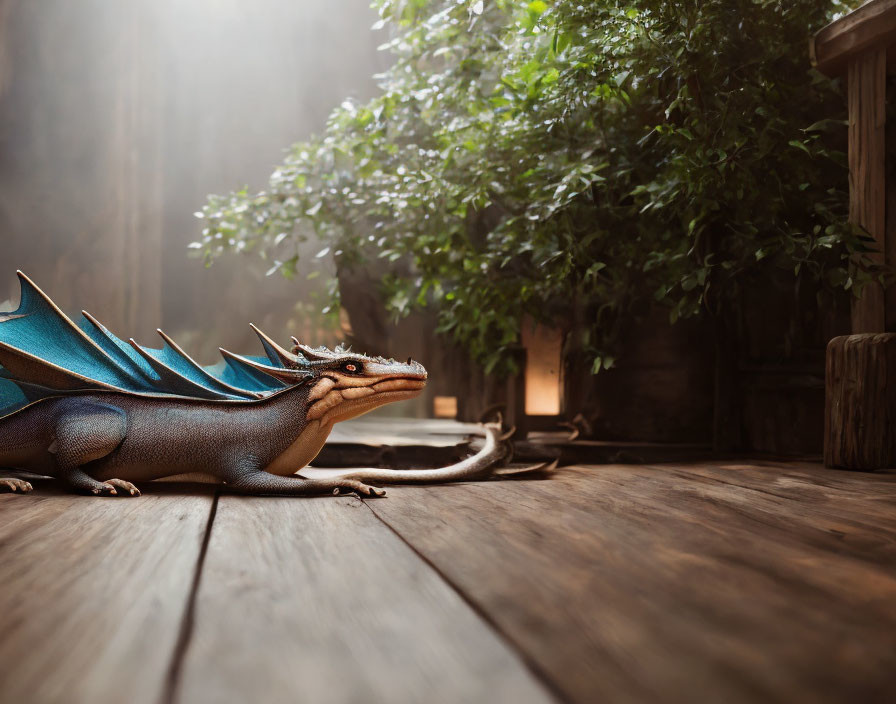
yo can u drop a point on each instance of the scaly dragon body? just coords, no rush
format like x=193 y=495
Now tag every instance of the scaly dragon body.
x=79 y=404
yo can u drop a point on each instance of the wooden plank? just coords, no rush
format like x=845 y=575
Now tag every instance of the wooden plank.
x=94 y=592
x=316 y=600
x=872 y=24
x=848 y=512
x=866 y=94
x=632 y=584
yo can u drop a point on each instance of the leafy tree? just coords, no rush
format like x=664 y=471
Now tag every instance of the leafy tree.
x=572 y=162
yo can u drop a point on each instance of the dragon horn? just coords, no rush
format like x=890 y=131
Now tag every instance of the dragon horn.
x=312 y=354
x=275 y=352
x=290 y=375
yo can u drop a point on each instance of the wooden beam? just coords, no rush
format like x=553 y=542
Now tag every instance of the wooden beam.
x=871 y=25
x=867 y=202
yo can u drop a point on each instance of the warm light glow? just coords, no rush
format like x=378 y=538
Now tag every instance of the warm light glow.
x=544 y=347
x=444 y=406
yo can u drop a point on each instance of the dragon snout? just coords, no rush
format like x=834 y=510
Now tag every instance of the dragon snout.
x=409 y=370
x=416 y=369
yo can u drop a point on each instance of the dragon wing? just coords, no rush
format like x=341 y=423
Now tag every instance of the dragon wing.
x=43 y=353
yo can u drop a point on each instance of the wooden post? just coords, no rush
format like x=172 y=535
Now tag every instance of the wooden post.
x=859 y=400
x=890 y=198
x=860 y=403
x=866 y=90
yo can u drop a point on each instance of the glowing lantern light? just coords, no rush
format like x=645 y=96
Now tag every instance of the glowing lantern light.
x=444 y=406
x=544 y=362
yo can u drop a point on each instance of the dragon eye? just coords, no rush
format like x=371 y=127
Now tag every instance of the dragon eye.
x=350 y=367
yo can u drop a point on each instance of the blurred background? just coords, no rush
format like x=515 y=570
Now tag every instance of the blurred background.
x=118 y=118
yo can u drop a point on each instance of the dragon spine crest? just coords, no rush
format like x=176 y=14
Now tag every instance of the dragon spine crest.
x=43 y=353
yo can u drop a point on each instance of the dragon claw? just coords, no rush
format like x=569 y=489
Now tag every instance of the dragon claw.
x=358 y=490
x=368 y=490
x=15 y=486
x=125 y=488
x=116 y=487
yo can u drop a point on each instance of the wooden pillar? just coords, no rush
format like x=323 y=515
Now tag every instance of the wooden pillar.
x=890 y=197
x=860 y=397
x=860 y=401
x=866 y=89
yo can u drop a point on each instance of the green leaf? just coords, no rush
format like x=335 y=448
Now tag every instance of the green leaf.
x=586 y=162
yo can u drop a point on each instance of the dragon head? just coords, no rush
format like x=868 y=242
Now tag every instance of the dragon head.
x=345 y=385
x=341 y=384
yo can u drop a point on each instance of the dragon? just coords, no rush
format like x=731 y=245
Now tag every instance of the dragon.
x=79 y=404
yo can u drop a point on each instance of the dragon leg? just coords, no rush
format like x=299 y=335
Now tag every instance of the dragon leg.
x=86 y=433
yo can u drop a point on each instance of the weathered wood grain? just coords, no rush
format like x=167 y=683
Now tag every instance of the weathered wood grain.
x=860 y=402
x=890 y=187
x=849 y=513
x=316 y=600
x=872 y=24
x=670 y=584
x=93 y=592
x=866 y=97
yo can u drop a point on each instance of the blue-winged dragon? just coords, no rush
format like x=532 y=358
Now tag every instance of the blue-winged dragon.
x=82 y=405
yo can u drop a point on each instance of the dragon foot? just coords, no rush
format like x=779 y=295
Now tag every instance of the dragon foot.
x=15 y=486
x=358 y=489
x=115 y=487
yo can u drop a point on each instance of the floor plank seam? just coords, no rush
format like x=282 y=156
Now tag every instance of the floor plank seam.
x=530 y=663
x=683 y=473
x=172 y=679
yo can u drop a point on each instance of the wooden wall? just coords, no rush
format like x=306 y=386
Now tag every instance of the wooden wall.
x=117 y=118
x=661 y=388
x=751 y=380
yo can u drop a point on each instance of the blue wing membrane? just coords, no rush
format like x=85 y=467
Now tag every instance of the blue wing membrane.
x=44 y=354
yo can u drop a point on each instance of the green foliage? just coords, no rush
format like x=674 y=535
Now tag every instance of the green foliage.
x=570 y=162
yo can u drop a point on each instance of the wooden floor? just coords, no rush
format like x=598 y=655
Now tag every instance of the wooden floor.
x=727 y=582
